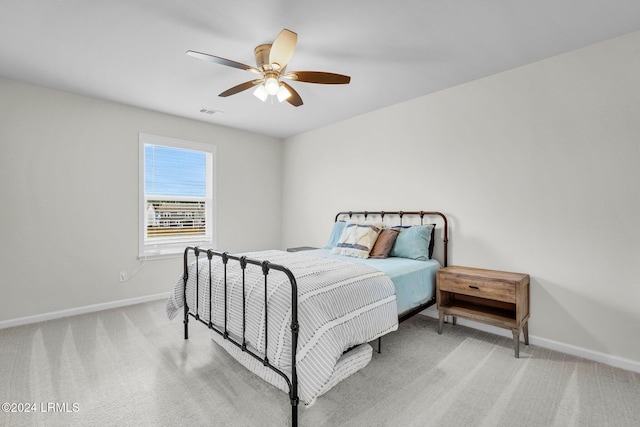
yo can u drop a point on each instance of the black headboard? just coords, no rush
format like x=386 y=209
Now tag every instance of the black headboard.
x=401 y=215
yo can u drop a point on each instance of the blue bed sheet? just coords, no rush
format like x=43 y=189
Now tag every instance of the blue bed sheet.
x=415 y=281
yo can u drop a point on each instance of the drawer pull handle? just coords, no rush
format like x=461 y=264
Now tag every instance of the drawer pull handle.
x=473 y=287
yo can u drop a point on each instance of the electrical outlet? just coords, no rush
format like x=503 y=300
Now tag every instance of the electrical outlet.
x=123 y=276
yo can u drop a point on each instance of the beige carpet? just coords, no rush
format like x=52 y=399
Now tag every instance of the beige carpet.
x=131 y=367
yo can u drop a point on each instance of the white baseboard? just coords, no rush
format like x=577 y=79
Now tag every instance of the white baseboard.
x=596 y=356
x=80 y=310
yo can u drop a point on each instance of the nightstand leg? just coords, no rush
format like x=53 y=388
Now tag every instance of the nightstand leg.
x=516 y=341
x=525 y=328
x=440 y=322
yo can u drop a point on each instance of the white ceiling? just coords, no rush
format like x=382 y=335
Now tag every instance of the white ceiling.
x=133 y=51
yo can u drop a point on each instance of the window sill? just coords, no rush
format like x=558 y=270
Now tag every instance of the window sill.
x=154 y=257
x=172 y=250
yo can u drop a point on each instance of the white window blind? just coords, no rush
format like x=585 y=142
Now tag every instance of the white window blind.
x=177 y=195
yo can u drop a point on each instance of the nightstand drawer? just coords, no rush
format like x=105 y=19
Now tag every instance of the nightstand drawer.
x=477 y=287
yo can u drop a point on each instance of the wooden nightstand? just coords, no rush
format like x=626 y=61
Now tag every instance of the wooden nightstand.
x=497 y=298
x=300 y=248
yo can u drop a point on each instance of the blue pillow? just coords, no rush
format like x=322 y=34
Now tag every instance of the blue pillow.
x=413 y=243
x=338 y=227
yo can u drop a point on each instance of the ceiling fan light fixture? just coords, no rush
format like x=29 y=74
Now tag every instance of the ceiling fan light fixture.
x=272 y=85
x=261 y=93
x=283 y=93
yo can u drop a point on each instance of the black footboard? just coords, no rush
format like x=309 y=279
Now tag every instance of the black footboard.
x=292 y=383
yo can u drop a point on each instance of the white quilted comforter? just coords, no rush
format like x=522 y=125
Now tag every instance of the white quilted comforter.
x=340 y=305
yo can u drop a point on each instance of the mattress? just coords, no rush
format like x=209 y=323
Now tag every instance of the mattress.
x=415 y=281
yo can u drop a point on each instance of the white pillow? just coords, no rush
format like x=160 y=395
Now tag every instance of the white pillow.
x=357 y=240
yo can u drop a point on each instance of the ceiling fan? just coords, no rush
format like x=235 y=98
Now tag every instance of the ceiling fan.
x=271 y=61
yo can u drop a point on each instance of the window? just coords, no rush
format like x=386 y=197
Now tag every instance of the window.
x=177 y=200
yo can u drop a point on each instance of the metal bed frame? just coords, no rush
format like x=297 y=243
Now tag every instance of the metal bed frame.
x=266 y=266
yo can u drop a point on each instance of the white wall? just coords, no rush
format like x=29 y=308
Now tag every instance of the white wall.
x=69 y=187
x=537 y=169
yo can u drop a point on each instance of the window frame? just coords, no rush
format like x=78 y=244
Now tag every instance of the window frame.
x=173 y=247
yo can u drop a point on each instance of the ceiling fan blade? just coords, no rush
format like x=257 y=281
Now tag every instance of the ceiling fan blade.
x=319 y=77
x=222 y=61
x=239 y=88
x=294 y=99
x=283 y=48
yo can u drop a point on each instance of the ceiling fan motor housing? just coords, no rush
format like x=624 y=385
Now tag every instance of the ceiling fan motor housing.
x=262 y=56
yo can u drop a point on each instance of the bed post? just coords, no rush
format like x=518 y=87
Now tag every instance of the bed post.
x=185 y=277
x=295 y=328
x=445 y=239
